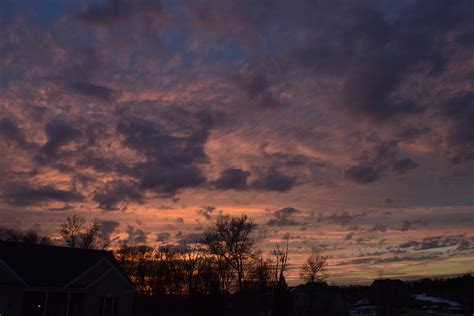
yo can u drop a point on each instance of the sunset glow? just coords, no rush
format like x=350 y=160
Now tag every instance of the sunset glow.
x=346 y=127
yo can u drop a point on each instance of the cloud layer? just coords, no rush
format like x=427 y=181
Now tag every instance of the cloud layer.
x=320 y=119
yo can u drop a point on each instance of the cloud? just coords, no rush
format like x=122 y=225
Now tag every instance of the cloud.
x=24 y=195
x=136 y=235
x=257 y=87
x=374 y=261
x=367 y=92
x=92 y=90
x=163 y=237
x=436 y=242
x=117 y=191
x=378 y=228
x=282 y=217
x=11 y=132
x=113 y=11
x=172 y=161
x=191 y=238
x=107 y=228
x=459 y=111
x=59 y=133
x=232 y=178
x=410 y=225
x=362 y=174
x=404 y=165
x=206 y=212
x=343 y=218
x=274 y=181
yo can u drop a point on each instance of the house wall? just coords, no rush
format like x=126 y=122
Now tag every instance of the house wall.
x=11 y=302
x=111 y=285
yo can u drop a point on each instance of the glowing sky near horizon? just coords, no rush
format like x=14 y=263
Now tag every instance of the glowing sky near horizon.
x=345 y=126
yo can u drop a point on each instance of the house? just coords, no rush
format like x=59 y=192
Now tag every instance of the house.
x=37 y=280
x=317 y=299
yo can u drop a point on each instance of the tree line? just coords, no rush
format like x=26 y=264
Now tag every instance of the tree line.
x=225 y=261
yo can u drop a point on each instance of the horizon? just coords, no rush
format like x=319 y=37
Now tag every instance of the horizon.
x=345 y=127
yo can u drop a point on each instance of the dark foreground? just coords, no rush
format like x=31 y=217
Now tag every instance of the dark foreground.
x=452 y=296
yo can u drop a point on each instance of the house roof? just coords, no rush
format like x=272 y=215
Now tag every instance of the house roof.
x=52 y=266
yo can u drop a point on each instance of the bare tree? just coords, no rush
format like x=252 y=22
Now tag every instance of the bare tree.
x=261 y=273
x=30 y=236
x=231 y=239
x=77 y=233
x=380 y=273
x=90 y=235
x=137 y=262
x=314 y=270
x=192 y=265
x=281 y=262
x=71 y=230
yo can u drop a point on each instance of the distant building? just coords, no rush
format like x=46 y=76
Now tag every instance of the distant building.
x=58 y=281
x=389 y=294
x=317 y=299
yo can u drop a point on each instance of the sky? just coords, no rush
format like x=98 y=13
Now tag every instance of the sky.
x=346 y=127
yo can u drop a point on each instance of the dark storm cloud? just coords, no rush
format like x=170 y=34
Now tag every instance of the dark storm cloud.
x=378 y=162
x=115 y=192
x=367 y=92
x=282 y=217
x=172 y=161
x=107 y=228
x=59 y=133
x=113 y=11
x=232 y=178
x=404 y=165
x=11 y=132
x=273 y=180
x=92 y=90
x=362 y=174
x=169 y=181
x=257 y=87
x=24 y=195
x=413 y=40
x=136 y=235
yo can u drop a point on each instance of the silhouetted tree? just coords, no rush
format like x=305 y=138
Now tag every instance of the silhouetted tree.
x=281 y=262
x=28 y=237
x=261 y=274
x=71 y=229
x=282 y=304
x=76 y=233
x=314 y=270
x=137 y=262
x=231 y=239
x=192 y=264
x=90 y=236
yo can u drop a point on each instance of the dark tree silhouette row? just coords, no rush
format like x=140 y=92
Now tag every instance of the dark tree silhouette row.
x=225 y=261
